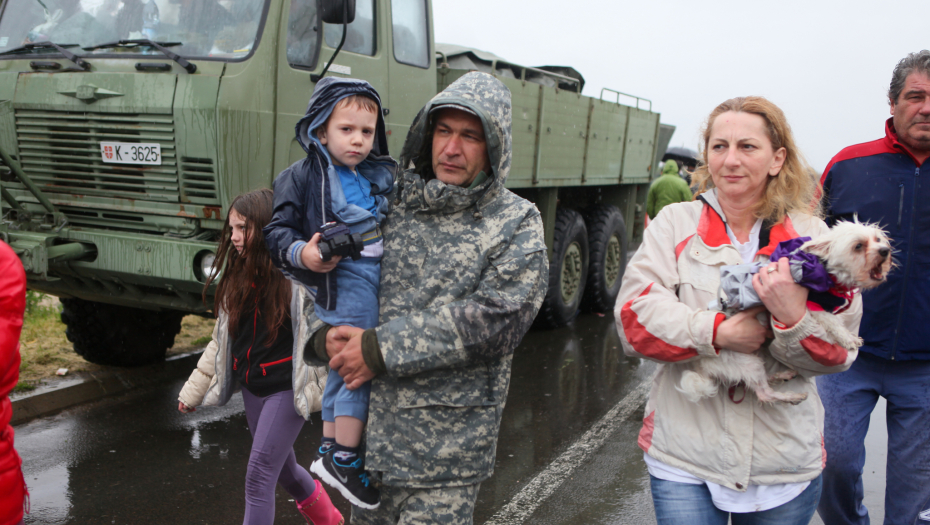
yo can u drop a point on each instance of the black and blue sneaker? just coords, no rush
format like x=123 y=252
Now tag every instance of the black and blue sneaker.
x=317 y=466
x=350 y=480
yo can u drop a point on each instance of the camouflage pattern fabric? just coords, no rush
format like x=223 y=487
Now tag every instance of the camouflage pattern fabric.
x=444 y=506
x=463 y=276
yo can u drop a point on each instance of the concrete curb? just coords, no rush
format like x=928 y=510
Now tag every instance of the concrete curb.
x=59 y=395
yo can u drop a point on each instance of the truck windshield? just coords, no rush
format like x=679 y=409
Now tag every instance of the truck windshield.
x=206 y=28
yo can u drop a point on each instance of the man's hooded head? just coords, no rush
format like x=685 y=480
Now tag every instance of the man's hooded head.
x=439 y=144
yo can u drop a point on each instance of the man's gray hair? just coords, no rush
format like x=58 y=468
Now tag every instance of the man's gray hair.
x=919 y=61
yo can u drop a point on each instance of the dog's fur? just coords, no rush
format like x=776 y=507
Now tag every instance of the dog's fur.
x=858 y=256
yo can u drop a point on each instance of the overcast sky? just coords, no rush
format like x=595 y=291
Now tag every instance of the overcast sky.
x=826 y=64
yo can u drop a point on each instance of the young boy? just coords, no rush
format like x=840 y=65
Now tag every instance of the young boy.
x=344 y=179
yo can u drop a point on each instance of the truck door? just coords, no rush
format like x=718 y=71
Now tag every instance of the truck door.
x=412 y=67
x=305 y=51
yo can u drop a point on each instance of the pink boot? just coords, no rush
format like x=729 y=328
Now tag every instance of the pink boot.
x=318 y=509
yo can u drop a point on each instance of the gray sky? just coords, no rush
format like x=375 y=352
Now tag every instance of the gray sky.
x=826 y=64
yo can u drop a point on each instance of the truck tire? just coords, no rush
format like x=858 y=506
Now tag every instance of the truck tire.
x=608 y=242
x=106 y=334
x=568 y=270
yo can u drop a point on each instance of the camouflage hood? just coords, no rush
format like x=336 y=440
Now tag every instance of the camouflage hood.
x=483 y=95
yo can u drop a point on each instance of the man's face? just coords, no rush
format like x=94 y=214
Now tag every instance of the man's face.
x=460 y=152
x=911 y=113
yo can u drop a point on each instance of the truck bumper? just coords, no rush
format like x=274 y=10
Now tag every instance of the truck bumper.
x=128 y=269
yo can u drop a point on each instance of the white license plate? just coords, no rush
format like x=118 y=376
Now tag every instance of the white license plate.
x=130 y=153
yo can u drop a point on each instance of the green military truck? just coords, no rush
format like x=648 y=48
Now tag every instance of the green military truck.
x=127 y=127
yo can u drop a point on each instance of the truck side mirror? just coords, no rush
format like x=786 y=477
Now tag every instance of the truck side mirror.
x=331 y=11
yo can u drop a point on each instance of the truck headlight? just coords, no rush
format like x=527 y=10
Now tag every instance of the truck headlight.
x=203 y=265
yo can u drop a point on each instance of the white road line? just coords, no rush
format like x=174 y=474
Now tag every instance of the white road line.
x=546 y=482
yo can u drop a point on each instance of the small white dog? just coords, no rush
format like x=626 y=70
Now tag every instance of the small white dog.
x=858 y=257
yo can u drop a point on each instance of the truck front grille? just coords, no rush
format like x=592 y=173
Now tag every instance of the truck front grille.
x=60 y=150
x=198 y=181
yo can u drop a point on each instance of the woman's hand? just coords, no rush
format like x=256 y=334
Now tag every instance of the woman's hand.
x=785 y=299
x=184 y=408
x=310 y=256
x=743 y=332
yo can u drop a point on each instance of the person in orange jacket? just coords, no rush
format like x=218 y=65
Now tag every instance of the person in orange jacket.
x=13 y=493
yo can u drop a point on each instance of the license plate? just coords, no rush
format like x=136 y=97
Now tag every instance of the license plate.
x=130 y=153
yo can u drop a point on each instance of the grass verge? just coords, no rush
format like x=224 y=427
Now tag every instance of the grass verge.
x=44 y=348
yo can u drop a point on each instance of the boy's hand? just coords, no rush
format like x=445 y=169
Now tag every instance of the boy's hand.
x=184 y=408
x=310 y=256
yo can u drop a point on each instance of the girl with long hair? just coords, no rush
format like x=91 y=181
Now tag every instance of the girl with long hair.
x=257 y=345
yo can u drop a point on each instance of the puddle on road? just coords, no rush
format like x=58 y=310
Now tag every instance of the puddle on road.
x=563 y=381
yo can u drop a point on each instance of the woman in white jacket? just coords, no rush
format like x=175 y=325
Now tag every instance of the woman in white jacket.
x=731 y=456
x=258 y=344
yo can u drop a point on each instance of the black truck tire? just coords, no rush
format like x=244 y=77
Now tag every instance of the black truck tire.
x=568 y=270
x=608 y=242
x=106 y=334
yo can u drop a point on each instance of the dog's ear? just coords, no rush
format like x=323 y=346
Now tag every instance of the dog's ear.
x=819 y=246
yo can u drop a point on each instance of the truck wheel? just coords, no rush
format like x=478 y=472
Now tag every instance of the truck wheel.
x=118 y=335
x=607 y=238
x=568 y=270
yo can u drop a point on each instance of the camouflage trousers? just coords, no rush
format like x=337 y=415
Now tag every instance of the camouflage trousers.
x=405 y=506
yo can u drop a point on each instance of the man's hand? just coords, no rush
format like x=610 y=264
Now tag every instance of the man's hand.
x=349 y=362
x=338 y=336
x=310 y=256
x=743 y=332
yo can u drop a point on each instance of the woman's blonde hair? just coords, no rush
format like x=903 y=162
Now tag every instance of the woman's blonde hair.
x=796 y=188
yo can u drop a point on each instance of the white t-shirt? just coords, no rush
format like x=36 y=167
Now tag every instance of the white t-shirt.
x=748 y=249
x=756 y=498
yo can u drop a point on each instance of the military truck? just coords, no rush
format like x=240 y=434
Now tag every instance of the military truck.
x=128 y=126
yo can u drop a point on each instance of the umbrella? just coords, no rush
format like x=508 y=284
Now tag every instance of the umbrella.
x=684 y=156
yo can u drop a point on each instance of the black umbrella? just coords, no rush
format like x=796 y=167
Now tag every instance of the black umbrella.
x=683 y=156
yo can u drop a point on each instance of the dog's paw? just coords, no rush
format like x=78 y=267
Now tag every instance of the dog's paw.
x=792 y=398
x=696 y=387
x=781 y=377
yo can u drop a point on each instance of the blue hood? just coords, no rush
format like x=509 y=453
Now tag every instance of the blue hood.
x=328 y=92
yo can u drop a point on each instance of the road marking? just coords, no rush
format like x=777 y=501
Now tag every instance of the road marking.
x=524 y=504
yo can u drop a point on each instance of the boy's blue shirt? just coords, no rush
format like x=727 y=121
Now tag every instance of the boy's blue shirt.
x=309 y=193
x=357 y=191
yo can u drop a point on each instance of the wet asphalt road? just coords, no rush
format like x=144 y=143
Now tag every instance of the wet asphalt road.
x=135 y=459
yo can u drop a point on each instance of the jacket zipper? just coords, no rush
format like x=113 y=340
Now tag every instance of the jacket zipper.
x=901 y=205
x=248 y=353
x=278 y=362
x=907 y=266
x=324 y=174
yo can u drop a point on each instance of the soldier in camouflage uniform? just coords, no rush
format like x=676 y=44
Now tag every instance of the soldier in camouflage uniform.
x=463 y=276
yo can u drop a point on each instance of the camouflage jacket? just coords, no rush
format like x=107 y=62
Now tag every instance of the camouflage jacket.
x=463 y=276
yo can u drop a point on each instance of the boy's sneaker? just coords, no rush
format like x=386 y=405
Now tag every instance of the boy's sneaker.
x=317 y=466
x=350 y=480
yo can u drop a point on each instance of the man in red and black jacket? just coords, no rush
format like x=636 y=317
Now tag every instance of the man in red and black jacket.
x=12 y=307
x=886 y=181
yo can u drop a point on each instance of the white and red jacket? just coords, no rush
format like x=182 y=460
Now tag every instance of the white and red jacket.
x=730 y=439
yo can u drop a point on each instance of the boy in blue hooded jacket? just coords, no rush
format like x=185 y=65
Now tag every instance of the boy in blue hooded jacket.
x=345 y=179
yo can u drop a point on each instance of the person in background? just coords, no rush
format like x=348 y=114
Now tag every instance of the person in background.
x=731 y=456
x=669 y=188
x=254 y=346
x=13 y=493
x=886 y=182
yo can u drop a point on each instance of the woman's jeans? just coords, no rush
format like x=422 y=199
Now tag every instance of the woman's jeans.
x=685 y=504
